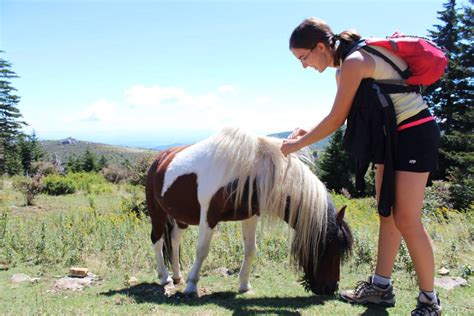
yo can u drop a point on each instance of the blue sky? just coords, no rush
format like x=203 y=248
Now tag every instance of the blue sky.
x=148 y=73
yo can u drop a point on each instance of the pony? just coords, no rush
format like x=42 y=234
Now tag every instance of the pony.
x=235 y=175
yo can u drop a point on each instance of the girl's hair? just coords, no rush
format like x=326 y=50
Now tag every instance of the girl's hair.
x=312 y=31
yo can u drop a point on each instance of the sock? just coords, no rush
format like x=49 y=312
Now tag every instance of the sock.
x=381 y=281
x=427 y=297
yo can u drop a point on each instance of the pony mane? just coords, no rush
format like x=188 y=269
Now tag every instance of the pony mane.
x=279 y=180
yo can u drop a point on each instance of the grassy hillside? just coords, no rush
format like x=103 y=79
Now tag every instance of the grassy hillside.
x=71 y=147
x=96 y=230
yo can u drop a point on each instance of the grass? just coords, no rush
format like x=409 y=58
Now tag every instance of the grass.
x=58 y=232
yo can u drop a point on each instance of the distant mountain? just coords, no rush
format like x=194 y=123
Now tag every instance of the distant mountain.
x=71 y=147
x=318 y=146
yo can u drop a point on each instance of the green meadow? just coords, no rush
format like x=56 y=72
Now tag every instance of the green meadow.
x=96 y=228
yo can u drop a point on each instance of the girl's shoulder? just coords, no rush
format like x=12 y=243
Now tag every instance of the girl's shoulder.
x=359 y=61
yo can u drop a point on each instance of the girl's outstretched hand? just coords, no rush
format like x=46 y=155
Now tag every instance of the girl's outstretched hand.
x=297 y=133
x=290 y=146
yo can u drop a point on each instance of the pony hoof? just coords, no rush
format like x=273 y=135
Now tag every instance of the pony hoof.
x=247 y=292
x=166 y=282
x=177 y=281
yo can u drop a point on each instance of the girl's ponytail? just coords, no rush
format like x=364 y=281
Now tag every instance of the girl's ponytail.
x=346 y=39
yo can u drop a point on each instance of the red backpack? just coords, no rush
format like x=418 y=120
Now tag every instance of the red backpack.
x=426 y=61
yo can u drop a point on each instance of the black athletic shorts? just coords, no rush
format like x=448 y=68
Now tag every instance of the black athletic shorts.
x=417 y=149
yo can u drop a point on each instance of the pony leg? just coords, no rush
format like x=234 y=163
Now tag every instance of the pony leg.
x=176 y=234
x=249 y=227
x=161 y=270
x=202 y=250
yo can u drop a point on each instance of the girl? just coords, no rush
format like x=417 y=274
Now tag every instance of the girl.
x=316 y=46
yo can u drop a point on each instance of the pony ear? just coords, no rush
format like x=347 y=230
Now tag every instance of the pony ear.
x=340 y=215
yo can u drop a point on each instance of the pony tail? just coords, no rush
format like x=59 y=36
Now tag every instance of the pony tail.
x=346 y=39
x=167 y=246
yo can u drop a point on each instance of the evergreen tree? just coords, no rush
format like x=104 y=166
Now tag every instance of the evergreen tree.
x=10 y=124
x=89 y=161
x=11 y=162
x=30 y=151
x=102 y=163
x=336 y=165
x=73 y=164
x=452 y=100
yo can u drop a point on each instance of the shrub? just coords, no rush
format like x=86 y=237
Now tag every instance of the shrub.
x=89 y=182
x=29 y=186
x=44 y=168
x=461 y=189
x=127 y=172
x=437 y=197
x=116 y=174
x=58 y=185
x=139 y=170
x=135 y=203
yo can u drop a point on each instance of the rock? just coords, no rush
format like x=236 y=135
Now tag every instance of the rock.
x=78 y=272
x=35 y=280
x=443 y=271
x=222 y=271
x=450 y=283
x=72 y=283
x=132 y=281
x=68 y=141
x=18 y=278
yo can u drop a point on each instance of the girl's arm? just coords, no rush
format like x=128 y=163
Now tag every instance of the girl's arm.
x=355 y=68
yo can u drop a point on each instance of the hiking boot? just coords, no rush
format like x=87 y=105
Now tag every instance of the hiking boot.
x=368 y=292
x=425 y=307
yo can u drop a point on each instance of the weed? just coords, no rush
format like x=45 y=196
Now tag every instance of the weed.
x=466 y=271
x=364 y=252
x=3 y=223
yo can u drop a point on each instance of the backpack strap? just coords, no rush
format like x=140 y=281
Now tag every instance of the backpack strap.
x=391 y=88
x=356 y=46
x=403 y=73
x=388 y=88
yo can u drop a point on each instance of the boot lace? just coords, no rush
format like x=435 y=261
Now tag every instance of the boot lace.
x=423 y=309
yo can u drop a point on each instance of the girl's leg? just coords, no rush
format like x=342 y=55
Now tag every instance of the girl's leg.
x=374 y=290
x=409 y=195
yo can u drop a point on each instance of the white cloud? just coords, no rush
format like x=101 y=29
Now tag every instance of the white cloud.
x=99 y=111
x=139 y=95
x=173 y=112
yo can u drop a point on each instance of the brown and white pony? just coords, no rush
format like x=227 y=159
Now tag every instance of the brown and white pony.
x=238 y=176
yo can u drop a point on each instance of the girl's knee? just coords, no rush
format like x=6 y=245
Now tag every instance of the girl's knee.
x=408 y=224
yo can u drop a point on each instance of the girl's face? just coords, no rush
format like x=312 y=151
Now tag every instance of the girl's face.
x=319 y=57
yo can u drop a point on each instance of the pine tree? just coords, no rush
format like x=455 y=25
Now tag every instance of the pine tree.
x=30 y=151
x=452 y=100
x=336 y=166
x=89 y=161
x=102 y=163
x=73 y=164
x=10 y=124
